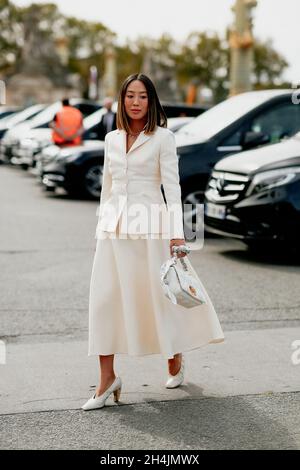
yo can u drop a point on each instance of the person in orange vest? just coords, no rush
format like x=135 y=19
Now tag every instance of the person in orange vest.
x=67 y=126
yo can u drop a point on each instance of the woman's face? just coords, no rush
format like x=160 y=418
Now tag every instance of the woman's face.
x=136 y=100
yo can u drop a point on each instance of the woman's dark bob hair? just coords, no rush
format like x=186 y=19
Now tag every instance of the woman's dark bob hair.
x=156 y=114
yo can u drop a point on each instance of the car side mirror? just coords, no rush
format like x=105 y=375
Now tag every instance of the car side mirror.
x=253 y=139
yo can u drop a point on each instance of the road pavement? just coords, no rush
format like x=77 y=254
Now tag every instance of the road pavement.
x=240 y=394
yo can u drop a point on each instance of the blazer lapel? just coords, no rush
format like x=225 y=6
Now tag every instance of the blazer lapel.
x=141 y=139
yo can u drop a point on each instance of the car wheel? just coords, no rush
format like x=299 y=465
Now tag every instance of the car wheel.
x=49 y=189
x=192 y=197
x=92 y=180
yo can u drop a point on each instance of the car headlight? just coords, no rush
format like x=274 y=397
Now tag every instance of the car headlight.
x=43 y=143
x=29 y=143
x=270 y=179
x=9 y=141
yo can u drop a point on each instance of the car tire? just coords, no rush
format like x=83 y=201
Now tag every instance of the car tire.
x=92 y=180
x=192 y=194
x=49 y=189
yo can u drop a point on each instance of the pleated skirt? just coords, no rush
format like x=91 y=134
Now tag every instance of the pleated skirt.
x=128 y=311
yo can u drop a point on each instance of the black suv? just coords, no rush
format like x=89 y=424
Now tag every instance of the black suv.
x=239 y=123
x=255 y=196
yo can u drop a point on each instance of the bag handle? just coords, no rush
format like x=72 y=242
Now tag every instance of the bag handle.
x=180 y=248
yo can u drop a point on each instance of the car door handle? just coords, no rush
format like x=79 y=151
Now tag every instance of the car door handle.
x=229 y=148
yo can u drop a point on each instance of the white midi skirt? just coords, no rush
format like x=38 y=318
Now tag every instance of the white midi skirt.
x=128 y=311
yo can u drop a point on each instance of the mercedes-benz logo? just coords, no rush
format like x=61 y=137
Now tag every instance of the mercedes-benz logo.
x=220 y=183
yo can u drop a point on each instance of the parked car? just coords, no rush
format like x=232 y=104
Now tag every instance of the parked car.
x=21 y=116
x=78 y=169
x=31 y=149
x=13 y=120
x=239 y=123
x=176 y=123
x=37 y=139
x=6 y=111
x=12 y=139
x=255 y=195
x=173 y=110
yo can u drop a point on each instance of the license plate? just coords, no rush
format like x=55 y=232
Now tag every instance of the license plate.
x=215 y=210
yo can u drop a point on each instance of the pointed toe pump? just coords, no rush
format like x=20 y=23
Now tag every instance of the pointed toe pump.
x=99 y=402
x=176 y=380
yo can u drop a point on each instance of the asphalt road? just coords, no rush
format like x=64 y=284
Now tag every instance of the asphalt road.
x=243 y=393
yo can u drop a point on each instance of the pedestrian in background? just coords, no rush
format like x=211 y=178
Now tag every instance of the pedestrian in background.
x=67 y=126
x=128 y=311
x=108 y=121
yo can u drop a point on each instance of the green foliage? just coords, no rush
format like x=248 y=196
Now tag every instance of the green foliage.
x=269 y=65
x=10 y=30
x=202 y=58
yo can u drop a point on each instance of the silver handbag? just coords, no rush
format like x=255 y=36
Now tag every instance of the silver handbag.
x=178 y=283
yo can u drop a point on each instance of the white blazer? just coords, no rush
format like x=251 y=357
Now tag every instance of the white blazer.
x=131 y=185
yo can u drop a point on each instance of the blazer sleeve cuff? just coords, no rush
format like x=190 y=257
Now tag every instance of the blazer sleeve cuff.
x=169 y=172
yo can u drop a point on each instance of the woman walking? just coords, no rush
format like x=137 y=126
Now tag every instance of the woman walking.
x=128 y=311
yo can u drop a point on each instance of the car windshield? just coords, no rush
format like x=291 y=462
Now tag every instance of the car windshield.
x=93 y=119
x=46 y=116
x=222 y=115
x=22 y=116
x=6 y=113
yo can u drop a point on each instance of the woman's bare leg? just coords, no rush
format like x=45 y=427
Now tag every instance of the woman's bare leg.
x=174 y=364
x=107 y=374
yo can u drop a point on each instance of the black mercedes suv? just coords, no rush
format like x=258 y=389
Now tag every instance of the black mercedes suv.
x=255 y=196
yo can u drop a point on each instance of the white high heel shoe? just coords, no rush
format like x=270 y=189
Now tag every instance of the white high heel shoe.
x=98 y=402
x=176 y=380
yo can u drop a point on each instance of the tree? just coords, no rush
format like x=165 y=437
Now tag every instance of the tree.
x=40 y=25
x=269 y=65
x=203 y=59
x=10 y=32
x=39 y=37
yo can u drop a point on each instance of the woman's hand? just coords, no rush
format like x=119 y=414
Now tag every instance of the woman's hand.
x=177 y=242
